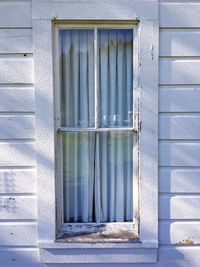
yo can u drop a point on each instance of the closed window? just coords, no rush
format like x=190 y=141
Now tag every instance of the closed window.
x=96 y=128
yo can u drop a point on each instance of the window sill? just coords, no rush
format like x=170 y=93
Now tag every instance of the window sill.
x=57 y=252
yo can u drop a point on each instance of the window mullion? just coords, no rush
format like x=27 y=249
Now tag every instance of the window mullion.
x=96 y=79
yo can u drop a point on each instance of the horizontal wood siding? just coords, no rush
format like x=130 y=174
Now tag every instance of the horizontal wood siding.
x=179 y=42
x=17 y=99
x=17 y=154
x=180 y=14
x=17 y=126
x=19 y=234
x=179 y=207
x=179 y=233
x=15 y=14
x=176 y=153
x=179 y=126
x=179 y=180
x=179 y=99
x=179 y=71
x=18 y=208
x=18 y=180
x=179 y=138
x=16 y=41
x=16 y=70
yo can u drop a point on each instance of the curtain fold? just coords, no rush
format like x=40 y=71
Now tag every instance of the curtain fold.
x=97 y=166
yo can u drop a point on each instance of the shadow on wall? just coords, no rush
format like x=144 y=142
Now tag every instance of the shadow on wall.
x=22 y=212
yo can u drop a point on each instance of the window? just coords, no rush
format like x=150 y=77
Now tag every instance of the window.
x=109 y=123
x=95 y=130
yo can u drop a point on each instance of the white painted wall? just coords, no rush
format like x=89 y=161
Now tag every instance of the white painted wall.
x=179 y=136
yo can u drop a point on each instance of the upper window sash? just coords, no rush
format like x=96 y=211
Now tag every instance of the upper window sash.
x=97 y=127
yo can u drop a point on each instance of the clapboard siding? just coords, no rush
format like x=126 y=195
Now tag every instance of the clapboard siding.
x=23 y=257
x=179 y=126
x=177 y=180
x=169 y=257
x=18 y=181
x=17 y=154
x=180 y=14
x=179 y=232
x=178 y=153
x=18 y=234
x=15 y=15
x=16 y=70
x=17 y=127
x=179 y=207
x=179 y=71
x=17 y=99
x=16 y=41
x=178 y=42
x=18 y=208
x=179 y=99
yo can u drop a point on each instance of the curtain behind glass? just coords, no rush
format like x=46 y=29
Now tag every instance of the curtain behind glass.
x=97 y=167
x=77 y=76
x=116 y=77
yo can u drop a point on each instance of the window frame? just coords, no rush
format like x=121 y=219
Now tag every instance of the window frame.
x=145 y=15
x=79 y=228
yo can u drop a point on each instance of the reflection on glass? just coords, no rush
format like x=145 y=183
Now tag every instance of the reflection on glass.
x=77 y=78
x=115 y=77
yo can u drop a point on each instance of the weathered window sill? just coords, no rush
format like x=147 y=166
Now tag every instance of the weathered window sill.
x=98 y=233
x=101 y=252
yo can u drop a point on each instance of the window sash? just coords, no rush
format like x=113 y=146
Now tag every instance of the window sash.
x=135 y=128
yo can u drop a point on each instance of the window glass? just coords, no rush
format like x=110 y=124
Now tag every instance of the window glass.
x=98 y=161
x=77 y=78
x=115 y=77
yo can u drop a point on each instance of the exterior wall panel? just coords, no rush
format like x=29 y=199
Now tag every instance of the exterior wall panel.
x=179 y=127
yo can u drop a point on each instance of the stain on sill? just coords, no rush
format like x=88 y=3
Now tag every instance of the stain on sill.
x=102 y=236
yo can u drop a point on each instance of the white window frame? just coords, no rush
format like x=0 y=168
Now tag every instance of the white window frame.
x=62 y=227
x=145 y=15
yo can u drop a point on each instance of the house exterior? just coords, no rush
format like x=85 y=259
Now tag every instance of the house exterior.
x=170 y=206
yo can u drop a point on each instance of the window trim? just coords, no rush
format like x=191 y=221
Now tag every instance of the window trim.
x=146 y=15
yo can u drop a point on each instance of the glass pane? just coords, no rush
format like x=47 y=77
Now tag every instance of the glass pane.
x=77 y=78
x=116 y=176
x=78 y=176
x=115 y=77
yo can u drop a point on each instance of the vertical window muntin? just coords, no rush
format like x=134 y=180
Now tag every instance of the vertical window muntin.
x=97 y=127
